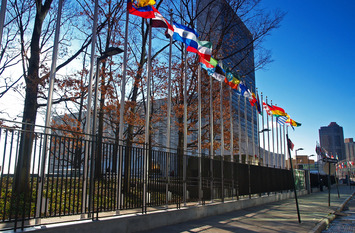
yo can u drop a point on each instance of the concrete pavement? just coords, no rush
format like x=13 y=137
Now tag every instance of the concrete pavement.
x=345 y=221
x=278 y=216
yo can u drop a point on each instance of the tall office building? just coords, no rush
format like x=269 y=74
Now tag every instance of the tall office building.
x=220 y=24
x=331 y=138
x=350 y=149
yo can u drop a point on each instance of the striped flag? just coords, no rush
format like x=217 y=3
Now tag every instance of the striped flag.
x=281 y=120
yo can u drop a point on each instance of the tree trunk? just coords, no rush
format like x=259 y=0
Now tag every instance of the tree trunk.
x=22 y=172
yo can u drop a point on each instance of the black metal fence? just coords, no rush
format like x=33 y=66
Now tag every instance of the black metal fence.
x=67 y=175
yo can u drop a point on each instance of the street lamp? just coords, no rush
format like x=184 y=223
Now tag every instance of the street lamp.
x=264 y=130
x=309 y=172
x=108 y=53
x=296 y=156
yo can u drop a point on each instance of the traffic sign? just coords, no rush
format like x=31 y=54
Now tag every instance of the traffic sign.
x=329 y=160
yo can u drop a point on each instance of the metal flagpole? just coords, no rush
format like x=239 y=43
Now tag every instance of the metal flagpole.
x=169 y=116
x=199 y=136
x=185 y=128
x=277 y=145
x=222 y=137
x=121 y=123
x=2 y=17
x=211 y=136
x=231 y=123
x=252 y=130
x=88 y=109
x=284 y=136
x=293 y=178
x=246 y=131
x=231 y=136
x=262 y=119
x=268 y=136
x=147 y=123
x=281 y=154
x=273 y=138
x=240 y=132
x=49 y=101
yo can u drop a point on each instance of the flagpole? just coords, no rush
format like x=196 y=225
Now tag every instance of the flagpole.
x=231 y=137
x=199 y=136
x=88 y=108
x=262 y=119
x=122 y=107
x=168 y=130
x=50 y=95
x=2 y=18
x=252 y=128
x=268 y=136
x=185 y=126
x=211 y=135
x=147 y=122
x=231 y=123
x=277 y=145
x=281 y=154
x=293 y=177
x=240 y=132
x=222 y=137
x=246 y=131
x=284 y=146
x=273 y=138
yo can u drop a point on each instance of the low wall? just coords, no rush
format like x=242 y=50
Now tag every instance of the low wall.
x=141 y=222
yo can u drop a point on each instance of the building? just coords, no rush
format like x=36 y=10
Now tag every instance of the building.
x=301 y=162
x=349 y=149
x=217 y=21
x=331 y=138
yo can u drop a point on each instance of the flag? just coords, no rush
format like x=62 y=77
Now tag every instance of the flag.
x=204 y=49
x=290 y=144
x=146 y=12
x=258 y=107
x=219 y=73
x=242 y=89
x=207 y=66
x=277 y=111
x=186 y=35
x=159 y=21
x=293 y=123
x=143 y=3
x=267 y=108
x=281 y=120
x=213 y=68
x=231 y=80
x=253 y=99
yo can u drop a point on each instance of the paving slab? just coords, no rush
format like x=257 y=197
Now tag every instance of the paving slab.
x=279 y=216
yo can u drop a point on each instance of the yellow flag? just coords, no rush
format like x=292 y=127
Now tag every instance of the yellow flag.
x=143 y=3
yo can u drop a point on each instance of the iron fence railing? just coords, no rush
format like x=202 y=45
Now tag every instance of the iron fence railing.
x=67 y=175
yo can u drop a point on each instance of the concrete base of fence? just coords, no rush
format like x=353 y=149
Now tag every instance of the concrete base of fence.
x=151 y=220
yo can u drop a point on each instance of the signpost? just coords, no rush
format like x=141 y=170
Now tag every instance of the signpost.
x=330 y=161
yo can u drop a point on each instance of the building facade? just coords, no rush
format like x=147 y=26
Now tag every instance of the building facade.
x=331 y=138
x=349 y=149
x=219 y=22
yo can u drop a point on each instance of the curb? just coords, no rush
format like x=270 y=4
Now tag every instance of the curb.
x=327 y=220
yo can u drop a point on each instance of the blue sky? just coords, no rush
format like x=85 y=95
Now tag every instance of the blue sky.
x=312 y=76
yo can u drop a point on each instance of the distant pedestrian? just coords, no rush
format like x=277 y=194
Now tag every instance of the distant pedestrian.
x=321 y=185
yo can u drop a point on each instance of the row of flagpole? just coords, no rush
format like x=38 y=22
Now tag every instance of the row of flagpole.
x=88 y=130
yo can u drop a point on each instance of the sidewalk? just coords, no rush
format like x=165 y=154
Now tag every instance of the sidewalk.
x=274 y=217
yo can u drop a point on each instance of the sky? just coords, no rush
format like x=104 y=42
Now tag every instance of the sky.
x=312 y=75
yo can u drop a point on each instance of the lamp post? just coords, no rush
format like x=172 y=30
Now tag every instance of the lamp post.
x=296 y=156
x=309 y=172
x=263 y=131
x=108 y=53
